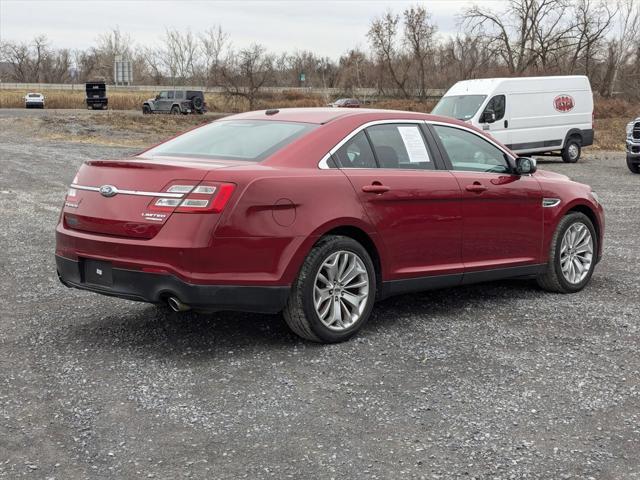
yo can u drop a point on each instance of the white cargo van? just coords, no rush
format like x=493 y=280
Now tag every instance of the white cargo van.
x=527 y=114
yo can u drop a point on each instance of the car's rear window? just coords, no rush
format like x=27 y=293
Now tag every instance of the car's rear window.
x=247 y=140
x=34 y=95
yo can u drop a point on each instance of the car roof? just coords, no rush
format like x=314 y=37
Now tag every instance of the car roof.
x=325 y=115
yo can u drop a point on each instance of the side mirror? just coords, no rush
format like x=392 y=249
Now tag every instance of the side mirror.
x=488 y=116
x=158 y=97
x=525 y=166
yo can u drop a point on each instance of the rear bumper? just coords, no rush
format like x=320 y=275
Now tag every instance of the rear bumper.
x=156 y=288
x=587 y=137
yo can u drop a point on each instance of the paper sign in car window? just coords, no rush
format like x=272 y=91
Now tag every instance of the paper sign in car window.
x=413 y=142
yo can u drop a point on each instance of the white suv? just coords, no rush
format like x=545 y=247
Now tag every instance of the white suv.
x=34 y=100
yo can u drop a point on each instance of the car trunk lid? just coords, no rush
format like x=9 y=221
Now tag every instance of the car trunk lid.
x=117 y=197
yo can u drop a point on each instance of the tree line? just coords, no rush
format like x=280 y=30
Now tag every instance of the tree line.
x=406 y=56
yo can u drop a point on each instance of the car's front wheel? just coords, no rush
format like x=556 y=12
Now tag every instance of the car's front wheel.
x=334 y=293
x=146 y=109
x=634 y=167
x=572 y=257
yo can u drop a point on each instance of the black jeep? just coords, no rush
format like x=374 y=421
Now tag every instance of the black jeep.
x=96 y=95
x=176 y=102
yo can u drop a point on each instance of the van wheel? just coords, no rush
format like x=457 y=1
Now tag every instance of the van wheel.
x=572 y=256
x=633 y=166
x=334 y=293
x=571 y=151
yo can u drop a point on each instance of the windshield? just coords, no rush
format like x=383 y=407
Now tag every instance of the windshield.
x=462 y=107
x=248 y=140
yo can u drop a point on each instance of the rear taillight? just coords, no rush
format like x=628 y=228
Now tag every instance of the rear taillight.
x=206 y=197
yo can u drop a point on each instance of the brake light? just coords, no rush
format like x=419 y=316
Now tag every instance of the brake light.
x=207 y=197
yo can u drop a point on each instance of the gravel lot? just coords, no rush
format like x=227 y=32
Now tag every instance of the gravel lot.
x=494 y=381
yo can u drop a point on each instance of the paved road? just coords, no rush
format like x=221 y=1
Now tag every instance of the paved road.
x=492 y=381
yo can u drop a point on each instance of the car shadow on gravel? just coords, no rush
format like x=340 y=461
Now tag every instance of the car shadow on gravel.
x=164 y=333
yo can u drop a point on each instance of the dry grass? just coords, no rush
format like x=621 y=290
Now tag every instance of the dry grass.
x=611 y=115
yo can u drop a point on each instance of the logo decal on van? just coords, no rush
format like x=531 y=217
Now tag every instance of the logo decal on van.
x=563 y=103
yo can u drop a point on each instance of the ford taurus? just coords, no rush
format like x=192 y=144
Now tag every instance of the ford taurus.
x=319 y=213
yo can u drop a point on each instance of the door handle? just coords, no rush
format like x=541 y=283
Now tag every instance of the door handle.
x=475 y=188
x=375 y=188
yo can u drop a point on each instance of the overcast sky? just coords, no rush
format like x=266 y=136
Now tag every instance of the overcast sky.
x=325 y=27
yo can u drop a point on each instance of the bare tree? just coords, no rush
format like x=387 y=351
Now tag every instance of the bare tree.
x=383 y=35
x=419 y=34
x=245 y=72
x=526 y=33
x=181 y=54
x=593 y=21
x=623 y=45
x=213 y=42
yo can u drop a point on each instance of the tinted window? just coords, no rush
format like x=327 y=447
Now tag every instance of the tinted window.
x=400 y=146
x=170 y=95
x=179 y=95
x=163 y=95
x=355 y=153
x=467 y=151
x=462 y=107
x=498 y=105
x=251 y=140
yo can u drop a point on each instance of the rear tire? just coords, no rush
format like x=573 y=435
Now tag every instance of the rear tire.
x=572 y=150
x=325 y=323
x=175 y=110
x=633 y=166
x=554 y=279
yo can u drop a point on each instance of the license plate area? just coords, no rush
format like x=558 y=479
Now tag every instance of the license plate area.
x=97 y=272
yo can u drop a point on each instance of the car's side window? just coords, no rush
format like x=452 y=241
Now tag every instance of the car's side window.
x=468 y=151
x=400 y=146
x=163 y=95
x=355 y=153
x=170 y=96
x=179 y=95
x=498 y=105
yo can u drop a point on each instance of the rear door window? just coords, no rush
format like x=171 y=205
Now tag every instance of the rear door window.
x=355 y=153
x=400 y=146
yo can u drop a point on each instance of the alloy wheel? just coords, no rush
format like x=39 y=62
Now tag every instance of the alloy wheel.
x=576 y=253
x=341 y=290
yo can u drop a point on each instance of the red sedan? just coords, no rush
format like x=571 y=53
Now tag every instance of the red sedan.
x=318 y=213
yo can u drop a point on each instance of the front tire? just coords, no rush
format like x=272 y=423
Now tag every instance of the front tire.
x=572 y=257
x=146 y=109
x=334 y=292
x=572 y=150
x=634 y=167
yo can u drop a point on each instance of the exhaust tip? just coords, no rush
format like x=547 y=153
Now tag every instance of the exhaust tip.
x=177 y=306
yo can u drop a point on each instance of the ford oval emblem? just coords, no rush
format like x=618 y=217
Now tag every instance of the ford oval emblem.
x=108 y=191
x=563 y=103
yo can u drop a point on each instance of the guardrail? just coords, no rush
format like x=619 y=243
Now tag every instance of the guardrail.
x=326 y=92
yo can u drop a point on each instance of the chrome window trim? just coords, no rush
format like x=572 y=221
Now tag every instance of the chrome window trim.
x=139 y=193
x=323 y=163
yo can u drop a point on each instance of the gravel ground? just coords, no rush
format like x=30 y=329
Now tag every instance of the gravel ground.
x=494 y=381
